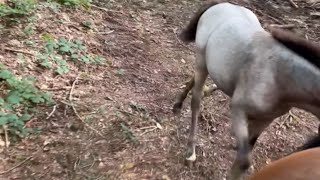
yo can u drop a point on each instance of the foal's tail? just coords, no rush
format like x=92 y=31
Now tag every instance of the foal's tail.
x=189 y=33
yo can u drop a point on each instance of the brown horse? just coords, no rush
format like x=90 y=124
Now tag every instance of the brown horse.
x=264 y=74
x=303 y=165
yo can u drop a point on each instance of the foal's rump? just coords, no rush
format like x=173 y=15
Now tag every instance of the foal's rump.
x=224 y=34
x=224 y=14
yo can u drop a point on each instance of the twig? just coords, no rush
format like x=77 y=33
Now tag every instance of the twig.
x=16 y=166
x=148 y=127
x=106 y=10
x=271 y=17
x=75 y=110
x=148 y=131
x=285 y=26
x=106 y=32
x=72 y=88
x=6 y=139
x=18 y=51
x=53 y=110
x=293 y=4
x=293 y=116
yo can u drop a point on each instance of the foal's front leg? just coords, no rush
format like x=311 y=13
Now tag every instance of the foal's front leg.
x=200 y=77
x=241 y=133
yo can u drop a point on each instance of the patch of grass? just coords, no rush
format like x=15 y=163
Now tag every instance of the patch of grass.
x=83 y=3
x=18 y=101
x=17 y=7
x=58 y=51
x=52 y=5
x=128 y=133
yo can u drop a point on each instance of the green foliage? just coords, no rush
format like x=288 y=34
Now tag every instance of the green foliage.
x=18 y=100
x=83 y=3
x=54 y=6
x=58 y=52
x=17 y=7
x=25 y=7
x=128 y=133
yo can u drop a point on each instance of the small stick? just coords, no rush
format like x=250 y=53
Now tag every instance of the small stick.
x=271 y=17
x=16 y=166
x=105 y=33
x=6 y=136
x=18 y=51
x=148 y=127
x=147 y=131
x=293 y=4
x=284 y=26
x=53 y=110
x=75 y=110
x=106 y=10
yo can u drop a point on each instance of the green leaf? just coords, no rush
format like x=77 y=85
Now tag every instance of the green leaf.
x=49 y=47
x=5 y=74
x=65 y=49
x=25 y=117
x=63 y=40
x=3 y=120
x=61 y=69
x=14 y=97
x=37 y=99
x=11 y=117
x=85 y=59
x=74 y=56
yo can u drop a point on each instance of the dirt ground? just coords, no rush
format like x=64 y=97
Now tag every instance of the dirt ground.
x=128 y=100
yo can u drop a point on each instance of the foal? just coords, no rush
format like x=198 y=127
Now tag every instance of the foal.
x=265 y=75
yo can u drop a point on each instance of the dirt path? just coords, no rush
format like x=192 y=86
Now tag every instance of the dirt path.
x=129 y=100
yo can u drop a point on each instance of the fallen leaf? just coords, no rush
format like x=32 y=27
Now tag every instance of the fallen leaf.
x=126 y=166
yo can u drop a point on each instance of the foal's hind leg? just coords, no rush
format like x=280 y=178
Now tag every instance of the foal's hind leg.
x=182 y=96
x=200 y=77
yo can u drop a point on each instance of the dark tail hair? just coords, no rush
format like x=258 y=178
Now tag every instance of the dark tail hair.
x=312 y=142
x=189 y=33
x=303 y=47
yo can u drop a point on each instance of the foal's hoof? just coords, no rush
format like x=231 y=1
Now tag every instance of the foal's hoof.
x=189 y=163
x=191 y=158
x=177 y=109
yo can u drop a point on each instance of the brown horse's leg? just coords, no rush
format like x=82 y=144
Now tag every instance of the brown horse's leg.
x=200 y=77
x=182 y=96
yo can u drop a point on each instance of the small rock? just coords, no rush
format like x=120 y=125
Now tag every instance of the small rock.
x=14 y=42
x=46 y=149
x=268 y=161
x=65 y=17
x=101 y=165
x=165 y=177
